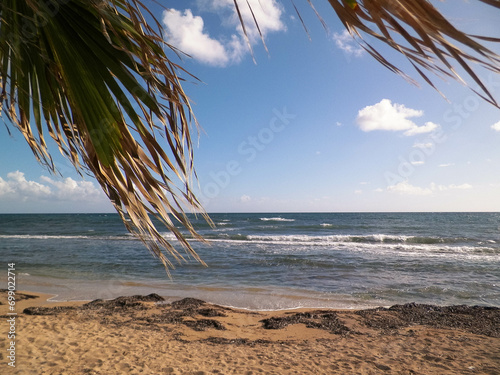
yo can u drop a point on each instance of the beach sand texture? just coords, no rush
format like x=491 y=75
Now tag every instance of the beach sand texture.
x=138 y=335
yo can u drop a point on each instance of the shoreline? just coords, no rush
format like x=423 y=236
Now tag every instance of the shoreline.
x=260 y=298
x=143 y=334
x=48 y=300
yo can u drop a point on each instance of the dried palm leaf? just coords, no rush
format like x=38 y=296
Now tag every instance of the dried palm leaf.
x=95 y=77
x=428 y=39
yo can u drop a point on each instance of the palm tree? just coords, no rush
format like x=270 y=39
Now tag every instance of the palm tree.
x=98 y=78
x=95 y=77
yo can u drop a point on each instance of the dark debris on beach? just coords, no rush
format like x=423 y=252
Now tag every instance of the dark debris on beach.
x=200 y=316
x=47 y=310
x=129 y=309
x=328 y=321
x=19 y=296
x=122 y=302
x=239 y=341
x=480 y=320
x=119 y=303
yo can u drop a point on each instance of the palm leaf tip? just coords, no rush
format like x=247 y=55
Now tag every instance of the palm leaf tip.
x=94 y=76
x=417 y=30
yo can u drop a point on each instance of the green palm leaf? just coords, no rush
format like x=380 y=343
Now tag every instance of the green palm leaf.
x=95 y=77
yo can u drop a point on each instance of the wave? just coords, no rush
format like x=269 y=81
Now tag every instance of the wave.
x=275 y=219
x=42 y=236
x=63 y=237
x=303 y=238
x=375 y=241
x=379 y=251
x=216 y=235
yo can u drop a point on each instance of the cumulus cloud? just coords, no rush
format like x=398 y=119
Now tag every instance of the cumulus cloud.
x=245 y=198
x=405 y=188
x=17 y=187
x=423 y=145
x=188 y=33
x=451 y=187
x=69 y=189
x=348 y=44
x=267 y=13
x=462 y=186
x=496 y=126
x=16 y=184
x=392 y=117
x=5 y=187
x=426 y=128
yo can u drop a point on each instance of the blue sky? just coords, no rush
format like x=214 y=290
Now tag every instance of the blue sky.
x=315 y=125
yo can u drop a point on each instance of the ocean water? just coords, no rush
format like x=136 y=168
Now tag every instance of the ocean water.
x=267 y=261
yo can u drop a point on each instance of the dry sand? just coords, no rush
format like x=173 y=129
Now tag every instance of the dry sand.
x=136 y=335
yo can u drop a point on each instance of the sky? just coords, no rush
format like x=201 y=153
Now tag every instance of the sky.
x=313 y=124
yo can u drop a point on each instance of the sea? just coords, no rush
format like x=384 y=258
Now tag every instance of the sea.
x=265 y=261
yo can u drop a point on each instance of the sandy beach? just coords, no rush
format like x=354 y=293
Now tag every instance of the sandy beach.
x=142 y=335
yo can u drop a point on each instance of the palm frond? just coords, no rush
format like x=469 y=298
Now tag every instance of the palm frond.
x=417 y=30
x=428 y=39
x=95 y=76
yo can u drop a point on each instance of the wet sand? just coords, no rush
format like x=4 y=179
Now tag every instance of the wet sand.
x=142 y=335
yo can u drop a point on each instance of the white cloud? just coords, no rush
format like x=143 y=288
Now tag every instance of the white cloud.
x=187 y=32
x=407 y=189
x=426 y=128
x=69 y=189
x=423 y=145
x=17 y=187
x=496 y=126
x=245 y=199
x=348 y=44
x=267 y=13
x=5 y=187
x=392 y=117
x=462 y=186
x=451 y=187
x=445 y=165
x=17 y=184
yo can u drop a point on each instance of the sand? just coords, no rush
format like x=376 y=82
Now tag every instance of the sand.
x=141 y=335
